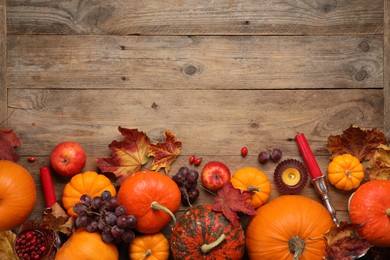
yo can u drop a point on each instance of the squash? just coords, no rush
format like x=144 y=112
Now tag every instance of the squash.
x=252 y=179
x=345 y=172
x=151 y=197
x=202 y=233
x=88 y=182
x=369 y=207
x=288 y=227
x=17 y=195
x=86 y=246
x=149 y=247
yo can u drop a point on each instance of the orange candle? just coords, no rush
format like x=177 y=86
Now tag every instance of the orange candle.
x=308 y=156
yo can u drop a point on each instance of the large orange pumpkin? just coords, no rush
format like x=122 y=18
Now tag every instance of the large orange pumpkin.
x=86 y=246
x=152 y=197
x=17 y=195
x=90 y=183
x=369 y=207
x=288 y=227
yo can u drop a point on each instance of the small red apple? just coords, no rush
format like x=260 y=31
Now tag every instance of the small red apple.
x=68 y=158
x=214 y=175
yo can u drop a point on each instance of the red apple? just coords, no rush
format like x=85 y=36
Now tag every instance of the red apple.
x=68 y=158
x=214 y=175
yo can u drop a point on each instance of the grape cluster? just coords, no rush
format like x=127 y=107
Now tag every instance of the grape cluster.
x=187 y=179
x=103 y=214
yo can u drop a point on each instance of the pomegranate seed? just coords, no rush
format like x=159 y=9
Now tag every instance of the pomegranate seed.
x=198 y=161
x=192 y=159
x=244 y=151
x=32 y=159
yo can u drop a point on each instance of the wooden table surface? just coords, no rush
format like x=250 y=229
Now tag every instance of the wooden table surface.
x=219 y=74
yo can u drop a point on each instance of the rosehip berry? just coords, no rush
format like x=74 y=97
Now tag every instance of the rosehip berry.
x=244 y=151
x=198 y=161
x=31 y=159
x=192 y=159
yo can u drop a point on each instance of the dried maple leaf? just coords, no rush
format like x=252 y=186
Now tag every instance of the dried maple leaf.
x=7 y=241
x=127 y=156
x=164 y=153
x=344 y=243
x=378 y=167
x=231 y=200
x=56 y=219
x=360 y=143
x=8 y=141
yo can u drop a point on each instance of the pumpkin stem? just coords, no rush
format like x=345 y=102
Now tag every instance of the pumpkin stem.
x=251 y=188
x=297 y=246
x=388 y=212
x=147 y=253
x=156 y=206
x=207 y=247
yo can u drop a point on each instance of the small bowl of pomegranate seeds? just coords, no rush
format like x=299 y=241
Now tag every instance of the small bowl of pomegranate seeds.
x=31 y=244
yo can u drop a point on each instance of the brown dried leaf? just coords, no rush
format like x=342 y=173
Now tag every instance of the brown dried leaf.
x=360 y=143
x=56 y=219
x=7 y=240
x=165 y=153
x=8 y=141
x=344 y=243
x=378 y=167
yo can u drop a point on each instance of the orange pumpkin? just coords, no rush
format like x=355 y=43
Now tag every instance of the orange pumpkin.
x=288 y=227
x=17 y=195
x=152 y=197
x=87 y=246
x=345 y=172
x=149 y=247
x=250 y=178
x=89 y=183
x=369 y=207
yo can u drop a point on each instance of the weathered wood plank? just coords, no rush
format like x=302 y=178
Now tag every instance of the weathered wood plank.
x=3 y=63
x=210 y=62
x=216 y=122
x=178 y=17
x=386 y=65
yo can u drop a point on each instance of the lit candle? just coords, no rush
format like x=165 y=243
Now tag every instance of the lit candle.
x=47 y=186
x=308 y=156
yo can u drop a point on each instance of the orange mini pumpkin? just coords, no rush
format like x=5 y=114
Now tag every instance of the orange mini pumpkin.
x=17 y=194
x=252 y=179
x=345 y=172
x=149 y=247
x=89 y=183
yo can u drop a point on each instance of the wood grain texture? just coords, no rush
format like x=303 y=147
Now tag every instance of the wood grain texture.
x=204 y=62
x=386 y=65
x=3 y=64
x=199 y=17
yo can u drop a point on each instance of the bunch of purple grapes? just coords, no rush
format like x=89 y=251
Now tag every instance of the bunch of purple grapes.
x=187 y=180
x=103 y=214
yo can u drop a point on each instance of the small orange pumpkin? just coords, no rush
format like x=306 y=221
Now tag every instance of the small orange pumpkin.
x=17 y=194
x=89 y=183
x=87 y=246
x=252 y=179
x=345 y=172
x=149 y=247
x=288 y=227
x=152 y=197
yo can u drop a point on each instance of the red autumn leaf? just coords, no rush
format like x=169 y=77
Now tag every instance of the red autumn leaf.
x=344 y=243
x=378 y=167
x=127 y=156
x=164 y=153
x=230 y=201
x=8 y=141
x=360 y=143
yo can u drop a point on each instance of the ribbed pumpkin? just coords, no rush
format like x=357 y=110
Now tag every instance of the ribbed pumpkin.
x=345 y=172
x=152 y=197
x=288 y=227
x=252 y=179
x=149 y=247
x=17 y=194
x=201 y=233
x=90 y=183
x=86 y=246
